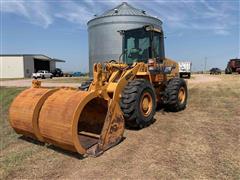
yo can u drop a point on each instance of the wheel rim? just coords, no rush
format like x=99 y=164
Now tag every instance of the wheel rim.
x=146 y=104
x=182 y=95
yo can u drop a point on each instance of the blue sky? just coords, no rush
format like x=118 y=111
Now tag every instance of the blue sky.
x=194 y=30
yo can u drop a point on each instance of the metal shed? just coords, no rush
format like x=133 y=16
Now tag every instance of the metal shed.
x=23 y=65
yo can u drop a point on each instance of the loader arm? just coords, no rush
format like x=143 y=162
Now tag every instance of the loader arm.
x=88 y=122
x=113 y=128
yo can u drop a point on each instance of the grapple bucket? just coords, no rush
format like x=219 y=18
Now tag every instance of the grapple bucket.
x=74 y=120
x=24 y=111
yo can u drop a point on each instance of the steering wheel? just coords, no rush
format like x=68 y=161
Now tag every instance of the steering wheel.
x=134 y=52
x=135 y=49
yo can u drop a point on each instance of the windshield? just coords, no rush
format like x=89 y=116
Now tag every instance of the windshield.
x=137 y=46
x=237 y=62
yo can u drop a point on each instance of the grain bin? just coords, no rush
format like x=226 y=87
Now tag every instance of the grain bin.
x=105 y=42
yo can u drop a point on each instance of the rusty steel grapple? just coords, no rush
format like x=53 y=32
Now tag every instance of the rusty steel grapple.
x=87 y=122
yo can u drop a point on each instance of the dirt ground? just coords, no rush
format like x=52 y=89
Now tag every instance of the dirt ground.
x=55 y=82
x=201 y=142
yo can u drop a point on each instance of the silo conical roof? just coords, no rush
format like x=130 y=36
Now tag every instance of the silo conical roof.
x=124 y=9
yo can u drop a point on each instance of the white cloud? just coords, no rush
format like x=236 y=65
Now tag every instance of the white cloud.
x=222 y=32
x=37 y=12
x=17 y=7
x=75 y=13
x=219 y=17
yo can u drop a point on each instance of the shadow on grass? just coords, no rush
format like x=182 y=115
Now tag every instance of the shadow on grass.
x=63 y=151
x=50 y=146
x=66 y=152
x=164 y=109
x=77 y=155
x=138 y=128
x=30 y=140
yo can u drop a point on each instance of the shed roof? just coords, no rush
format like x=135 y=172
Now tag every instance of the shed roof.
x=37 y=56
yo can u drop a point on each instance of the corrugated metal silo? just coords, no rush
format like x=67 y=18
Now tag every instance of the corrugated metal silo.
x=105 y=42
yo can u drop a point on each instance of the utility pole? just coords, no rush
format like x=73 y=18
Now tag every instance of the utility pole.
x=205 y=64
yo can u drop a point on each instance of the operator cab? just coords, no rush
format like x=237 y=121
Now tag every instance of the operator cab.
x=142 y=44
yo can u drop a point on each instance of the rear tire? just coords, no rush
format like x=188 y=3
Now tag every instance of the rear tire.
x=228 y=70
x=175 y=95
x=138 y=103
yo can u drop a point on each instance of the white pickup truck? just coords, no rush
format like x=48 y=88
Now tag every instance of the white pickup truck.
x=42 y=74
x=185 y=69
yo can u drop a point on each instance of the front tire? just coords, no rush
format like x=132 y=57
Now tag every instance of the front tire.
x=138 y=103
x=176 y=94
x=85 y=85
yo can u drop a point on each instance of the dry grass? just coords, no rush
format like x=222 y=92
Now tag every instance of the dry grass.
x=6 y=97
x=201 y=142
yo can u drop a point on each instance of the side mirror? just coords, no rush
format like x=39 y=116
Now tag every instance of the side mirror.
x=121 y=32
x=167 y=69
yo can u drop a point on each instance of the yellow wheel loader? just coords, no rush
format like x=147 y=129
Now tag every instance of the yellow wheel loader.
x=122 y=93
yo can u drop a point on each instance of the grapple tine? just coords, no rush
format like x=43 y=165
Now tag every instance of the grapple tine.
x=112 y=132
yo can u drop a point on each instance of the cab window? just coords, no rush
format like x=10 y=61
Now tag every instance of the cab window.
x=137 y=46
x=156 y=45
